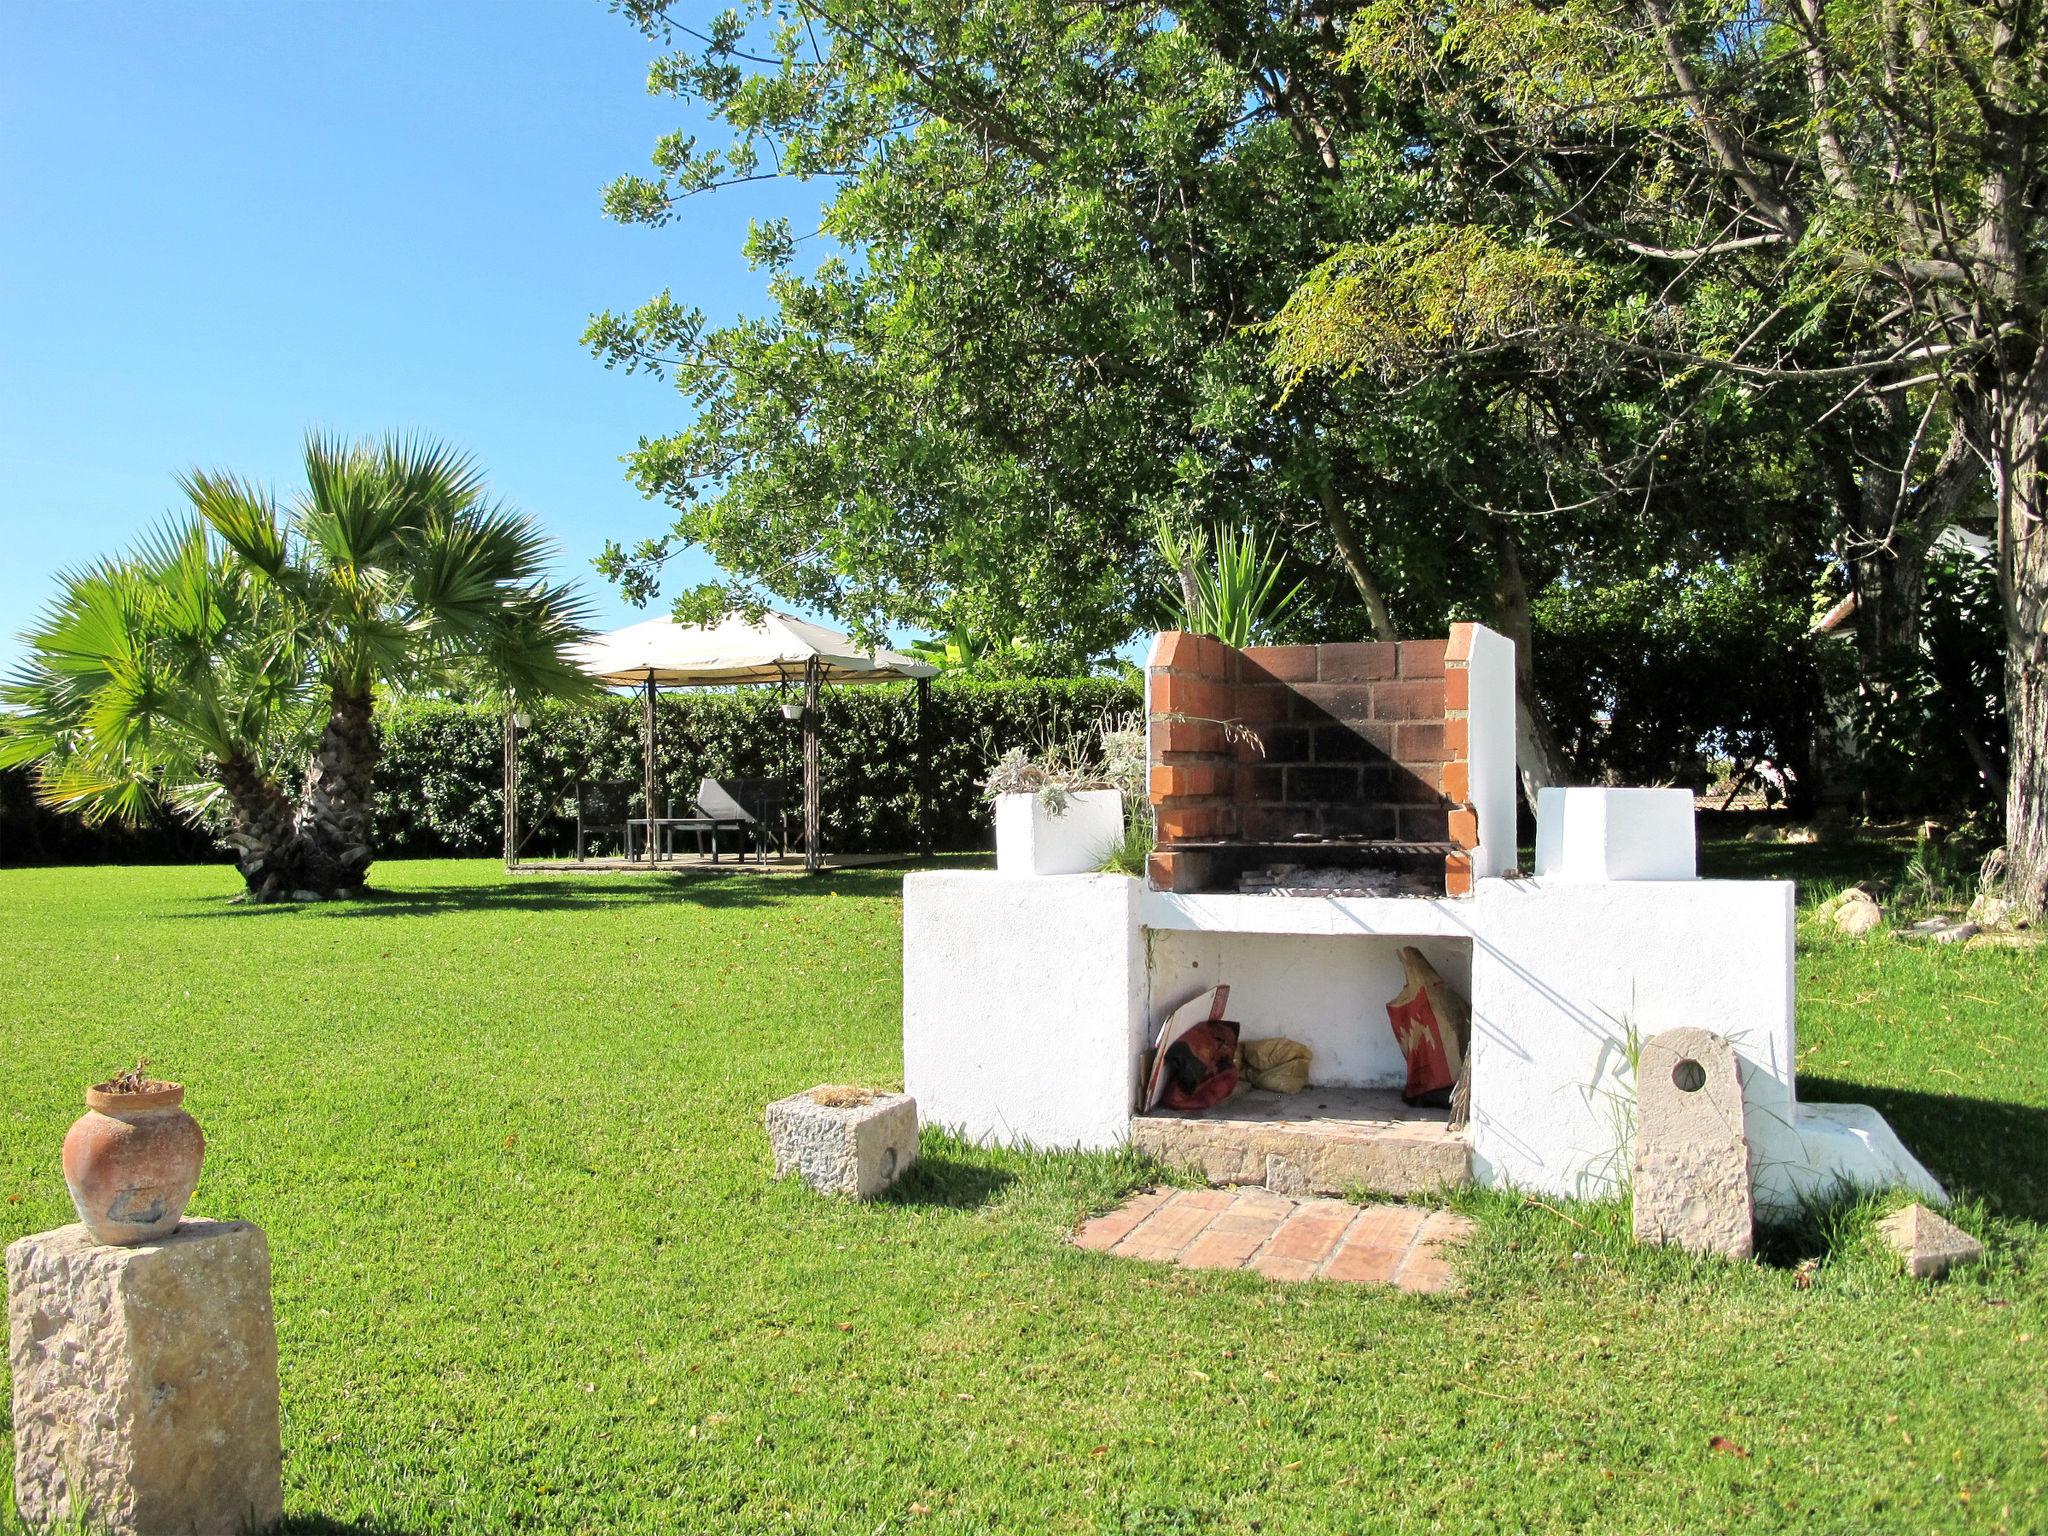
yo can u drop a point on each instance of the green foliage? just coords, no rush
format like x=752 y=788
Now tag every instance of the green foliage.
x=440 y=781
x=1026 y=334
x=193 y=673
x=1667 y=671
x=1233 y=578
x=1398 y=307
x=1927 y=719
x=401 y=572
x=149 y=670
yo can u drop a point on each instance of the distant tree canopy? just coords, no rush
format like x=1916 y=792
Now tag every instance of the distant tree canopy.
x=1261 y=265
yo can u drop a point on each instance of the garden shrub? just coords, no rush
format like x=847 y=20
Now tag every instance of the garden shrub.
x=440 y=782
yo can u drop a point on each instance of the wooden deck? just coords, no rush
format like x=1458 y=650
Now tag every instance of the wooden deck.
x=791 y=863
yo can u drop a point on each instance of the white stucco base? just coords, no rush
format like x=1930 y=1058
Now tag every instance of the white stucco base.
x=1029 y=1004
x=1024 y=1005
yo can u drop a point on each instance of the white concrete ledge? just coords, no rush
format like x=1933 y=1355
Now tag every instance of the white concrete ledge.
x=1387 y=917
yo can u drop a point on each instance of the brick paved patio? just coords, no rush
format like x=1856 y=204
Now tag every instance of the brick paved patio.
x=1282 y=1239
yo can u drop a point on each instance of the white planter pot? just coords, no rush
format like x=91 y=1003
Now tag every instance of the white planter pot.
x=1030 y=840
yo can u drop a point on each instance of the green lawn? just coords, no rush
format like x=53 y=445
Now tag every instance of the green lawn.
x=532 y=1274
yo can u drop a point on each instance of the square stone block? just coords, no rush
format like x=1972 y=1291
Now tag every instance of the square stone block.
x=1615 y=834
x=844 y=1148
x=145 y=1382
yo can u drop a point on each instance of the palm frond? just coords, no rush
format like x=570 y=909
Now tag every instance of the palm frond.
x=243 y=514
x=350 y=513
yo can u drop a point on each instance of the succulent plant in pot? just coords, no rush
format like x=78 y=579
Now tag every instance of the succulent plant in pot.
x=132 y=1160
x=1058 y=806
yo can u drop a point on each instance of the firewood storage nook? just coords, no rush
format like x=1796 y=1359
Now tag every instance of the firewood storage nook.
x=1318 y=808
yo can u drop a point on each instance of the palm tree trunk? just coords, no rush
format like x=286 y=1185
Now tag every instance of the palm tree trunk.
x=336 y=809
x=268 y=849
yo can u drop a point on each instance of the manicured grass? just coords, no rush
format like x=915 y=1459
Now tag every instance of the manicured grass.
x=532 y=1274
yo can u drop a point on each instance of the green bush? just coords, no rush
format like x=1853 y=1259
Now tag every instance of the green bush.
x=441 y=781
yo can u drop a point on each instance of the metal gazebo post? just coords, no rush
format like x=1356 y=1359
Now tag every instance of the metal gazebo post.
x=647 y=787
x=924 y=767
x=814 y=858
x=511 y=782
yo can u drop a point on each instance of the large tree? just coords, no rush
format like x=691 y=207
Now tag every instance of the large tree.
x=252 y=641
x=1841 y=201
x=1054 y=237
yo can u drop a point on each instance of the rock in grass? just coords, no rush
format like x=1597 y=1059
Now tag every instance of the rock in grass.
x=1930 y=1244
x=2003 y=940
x=1856 y=913
x=1989 y=911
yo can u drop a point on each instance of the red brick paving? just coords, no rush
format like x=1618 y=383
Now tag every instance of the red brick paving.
x=1400 y=1245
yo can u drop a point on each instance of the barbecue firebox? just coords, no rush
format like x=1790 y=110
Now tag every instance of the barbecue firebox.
x=1279 y=767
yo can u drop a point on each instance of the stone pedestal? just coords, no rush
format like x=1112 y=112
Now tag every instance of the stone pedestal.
x=145 y=1381
x=1692 y=1187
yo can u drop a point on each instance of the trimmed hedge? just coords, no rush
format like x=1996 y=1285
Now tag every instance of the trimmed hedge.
x=29 y=834
x=441 y=782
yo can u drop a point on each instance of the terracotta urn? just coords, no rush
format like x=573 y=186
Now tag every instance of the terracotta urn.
x=131 y=1162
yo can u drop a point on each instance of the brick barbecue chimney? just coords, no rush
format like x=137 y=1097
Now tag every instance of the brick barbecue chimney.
x=1366 y=755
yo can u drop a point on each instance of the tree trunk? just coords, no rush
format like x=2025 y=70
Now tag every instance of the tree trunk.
x=335 y=811
x=2022 y=492
x=1344 y=534
x=268 y=849
x=1887 y=533
x=1538 y=753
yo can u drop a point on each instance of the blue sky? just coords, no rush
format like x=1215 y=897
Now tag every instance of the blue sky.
x=223 y=223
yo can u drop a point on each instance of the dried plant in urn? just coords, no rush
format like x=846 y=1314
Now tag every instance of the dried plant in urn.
x=131 y=1161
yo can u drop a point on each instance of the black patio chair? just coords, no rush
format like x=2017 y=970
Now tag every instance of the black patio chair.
x=602 y=807
x=750 y=806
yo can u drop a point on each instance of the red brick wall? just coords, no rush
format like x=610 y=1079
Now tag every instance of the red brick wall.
x=1360 y=740
x=1191 y=683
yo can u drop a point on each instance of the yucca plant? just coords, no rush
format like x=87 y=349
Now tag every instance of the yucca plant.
x=253 y=640
x=1228 y=584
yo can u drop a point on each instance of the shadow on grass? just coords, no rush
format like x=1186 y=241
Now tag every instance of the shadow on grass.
x=711 y=889
x=321 y=1525
x=1982 y=1147
x=943 y=1179
x=1838 y=859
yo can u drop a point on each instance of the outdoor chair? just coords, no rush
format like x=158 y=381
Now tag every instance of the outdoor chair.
x=602 y=807
x=749 y=806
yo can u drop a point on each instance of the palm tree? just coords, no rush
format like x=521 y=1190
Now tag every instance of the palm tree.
x=402 y=574
x=250 y=642
x=167 y=677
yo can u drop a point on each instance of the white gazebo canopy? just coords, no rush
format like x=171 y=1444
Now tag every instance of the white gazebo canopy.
x=780 y=647
x=776 y=648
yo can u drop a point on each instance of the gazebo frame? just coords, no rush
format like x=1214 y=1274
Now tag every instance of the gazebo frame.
x=780 y=674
